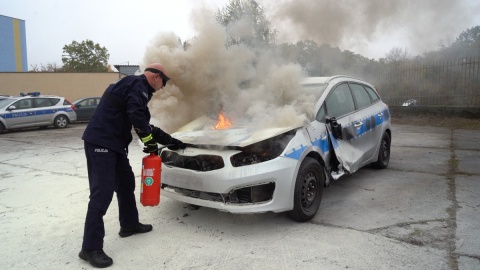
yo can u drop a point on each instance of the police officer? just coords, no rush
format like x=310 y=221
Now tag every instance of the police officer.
x=106 y=140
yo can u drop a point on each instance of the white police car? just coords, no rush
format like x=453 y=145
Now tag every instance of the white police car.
x=242 y=169
x=35 y=110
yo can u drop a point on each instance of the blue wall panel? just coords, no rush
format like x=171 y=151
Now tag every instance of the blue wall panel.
x=13 y=45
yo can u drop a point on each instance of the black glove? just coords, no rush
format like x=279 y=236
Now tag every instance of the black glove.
x=161 y=136
x=177 y=144
x=150 y=144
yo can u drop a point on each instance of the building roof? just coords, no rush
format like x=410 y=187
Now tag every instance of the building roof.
x=128 y=69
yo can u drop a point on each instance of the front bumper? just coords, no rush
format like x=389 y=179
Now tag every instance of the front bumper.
x=222 y=188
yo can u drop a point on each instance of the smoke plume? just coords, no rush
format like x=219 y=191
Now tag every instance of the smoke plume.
x=254 y=86
x=249 y=86
x=354 y=25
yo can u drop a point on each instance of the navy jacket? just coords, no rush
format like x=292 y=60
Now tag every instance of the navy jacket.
x=123 y=105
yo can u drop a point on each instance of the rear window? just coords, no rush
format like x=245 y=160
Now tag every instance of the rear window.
x=372 y=93
x=361 y=96
x=46 y=102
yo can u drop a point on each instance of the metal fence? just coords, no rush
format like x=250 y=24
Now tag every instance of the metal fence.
x=446 y=83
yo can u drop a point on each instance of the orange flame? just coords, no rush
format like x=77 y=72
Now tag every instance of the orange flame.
x=223 y=122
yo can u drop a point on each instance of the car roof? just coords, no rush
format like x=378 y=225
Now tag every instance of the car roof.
x=35 y=96
x=324 y=80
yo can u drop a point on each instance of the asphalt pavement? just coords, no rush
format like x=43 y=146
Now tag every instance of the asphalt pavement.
x=422 y=212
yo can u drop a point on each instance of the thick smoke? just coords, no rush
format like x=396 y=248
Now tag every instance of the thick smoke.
x=250 y=87
x=418 y=26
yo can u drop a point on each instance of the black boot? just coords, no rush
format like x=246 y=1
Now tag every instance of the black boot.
x=139 y=228
x=97 y=258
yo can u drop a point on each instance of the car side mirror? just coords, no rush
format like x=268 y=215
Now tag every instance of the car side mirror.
x=335 y=127
x=78 y=105
x=11 y=108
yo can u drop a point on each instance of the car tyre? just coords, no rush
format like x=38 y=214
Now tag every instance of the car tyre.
x=2 y=128
x=60 y=121
x=383 y=153
x=308 y=190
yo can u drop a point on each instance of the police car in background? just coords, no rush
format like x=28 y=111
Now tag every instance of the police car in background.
x=35 y=110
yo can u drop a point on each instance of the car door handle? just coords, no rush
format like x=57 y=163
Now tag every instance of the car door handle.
x=358 y=124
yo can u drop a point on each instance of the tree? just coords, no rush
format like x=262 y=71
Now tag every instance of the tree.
x=467 y=43
x=85 y=57
x=49 y=67
x=470 y=37
x=397 y=55
x=246 y=23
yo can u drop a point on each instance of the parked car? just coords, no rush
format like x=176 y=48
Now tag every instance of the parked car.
x=245 y=170
x=85 y=107
x=35 y=110
x=410 y=102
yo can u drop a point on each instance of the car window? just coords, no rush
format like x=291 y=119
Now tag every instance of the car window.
x=372 y=93
x=5 y=102
x=315 y=89
x=92 y=102
x=54 y=101
x=23 y=104
x=45 y=102
x=361 y=96
x=321 y=114
x=340 y=101
x=83 y=102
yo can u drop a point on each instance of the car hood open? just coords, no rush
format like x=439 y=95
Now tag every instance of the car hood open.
x=202 y=132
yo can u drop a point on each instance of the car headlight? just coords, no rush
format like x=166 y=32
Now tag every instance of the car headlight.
x=262 y=151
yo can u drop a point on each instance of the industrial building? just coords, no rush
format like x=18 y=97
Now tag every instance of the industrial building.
x=13 y=45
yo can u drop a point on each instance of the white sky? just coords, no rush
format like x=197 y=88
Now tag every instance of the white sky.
x=125 y=28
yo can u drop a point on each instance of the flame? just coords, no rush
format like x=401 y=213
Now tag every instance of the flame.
x=223 y=122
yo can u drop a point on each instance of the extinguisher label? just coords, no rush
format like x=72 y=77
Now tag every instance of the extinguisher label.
x=148 y=172
x=148 y=181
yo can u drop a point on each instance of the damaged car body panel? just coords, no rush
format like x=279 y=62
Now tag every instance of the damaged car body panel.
x=246 y=170
x=199 y=132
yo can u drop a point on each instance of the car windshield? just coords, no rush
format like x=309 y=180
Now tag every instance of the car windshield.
x=4 y=102
x=315 y=89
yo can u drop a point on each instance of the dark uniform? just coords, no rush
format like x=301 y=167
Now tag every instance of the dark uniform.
x=106 y=140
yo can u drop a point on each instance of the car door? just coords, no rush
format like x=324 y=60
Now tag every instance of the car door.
x=23 y=115
x=86 y=108
x=44 y=110
x=351 y=116
x=366 y=135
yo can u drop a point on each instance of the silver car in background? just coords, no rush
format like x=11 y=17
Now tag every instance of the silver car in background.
x=35 y=110
x=244 y=170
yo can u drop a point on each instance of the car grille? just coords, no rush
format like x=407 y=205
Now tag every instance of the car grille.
x=202 y=163
x=246 y=195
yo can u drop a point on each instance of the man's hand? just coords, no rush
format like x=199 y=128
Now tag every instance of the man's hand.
x=151 y=148
x=150 y=144
x=177 y=144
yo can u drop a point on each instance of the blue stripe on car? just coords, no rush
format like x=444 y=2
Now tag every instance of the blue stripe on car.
x=39 y=112
x=322 y=142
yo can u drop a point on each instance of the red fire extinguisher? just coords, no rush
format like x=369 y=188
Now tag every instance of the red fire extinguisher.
x=151 y=181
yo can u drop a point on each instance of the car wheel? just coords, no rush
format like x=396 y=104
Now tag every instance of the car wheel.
x=308 y=190
x=60 y=121
x=2 y=128
x=383 y=153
